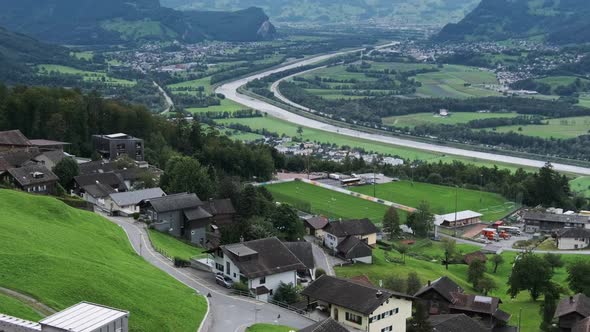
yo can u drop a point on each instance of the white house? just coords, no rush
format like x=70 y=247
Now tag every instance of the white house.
x=260 y=264
x=572 y=238
x=337 y=231
x=126 y=203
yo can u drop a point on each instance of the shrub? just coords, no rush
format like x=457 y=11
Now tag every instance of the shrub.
x=319 y=273
x=240 y=286
x=179 y=262
x=136 y=216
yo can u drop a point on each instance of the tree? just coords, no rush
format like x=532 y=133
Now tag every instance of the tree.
x=497 y=260
x=395 y=284
x=185 y=174
x=553 y=260
x=66 y=170
x=300 y=131
x=422 y=220
x=413 y=283
x=286 y=293
x=419 y=321
x=549 y=305
x=391 y=223
x=476 y=271
x=450 y=247
x=286 y=221
x=403 y=248
x=259 y=228
x=530 y=273
x=579 y=276
x=486 y=285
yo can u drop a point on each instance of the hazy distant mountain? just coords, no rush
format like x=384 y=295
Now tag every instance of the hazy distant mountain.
x=117 y=21
x=558 y=21
x=424 y=12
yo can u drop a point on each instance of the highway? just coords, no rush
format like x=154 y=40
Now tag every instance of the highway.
x=230 y=92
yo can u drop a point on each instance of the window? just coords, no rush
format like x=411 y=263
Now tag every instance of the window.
x=354 y=318
x=227 y=268
x=262 y=280
x=387 y=329
x=219 y=267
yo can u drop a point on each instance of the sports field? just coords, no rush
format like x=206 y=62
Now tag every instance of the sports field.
x=455 y=81
x=557 y=128
x=581 y=185
x=91 y=76
x=413 y=120
x=441 y=198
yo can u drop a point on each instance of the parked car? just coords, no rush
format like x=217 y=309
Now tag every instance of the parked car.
x=224 y=281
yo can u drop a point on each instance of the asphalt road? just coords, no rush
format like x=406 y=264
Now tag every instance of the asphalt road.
x=230 y=92
x=227 y=312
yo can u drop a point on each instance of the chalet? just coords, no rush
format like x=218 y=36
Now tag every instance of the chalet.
x=326 y=325
x=111 y=179
x=548 y=222
x=304 y=252
x=483 y=308
x=455 y=323
x=459 y=219
x=338 y=231
x=14 y=140
x=572 y=238
x=34 y=179
x=96 y=193
x=126 y=203
x=314 y=226
x=582 y=326
x=437 y=295
x=360 y=306
x=222 y=210
x=355 y=250
x=263 y=265
x=571 y=311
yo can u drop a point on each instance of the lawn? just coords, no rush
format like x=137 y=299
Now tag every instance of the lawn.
x=581 y=185
x=455 y=81
x=326 y=202
x=441 y=198
x=413 y=120
x=173 y=247
x=90 y=76
x=269 y=328
x=13 y=307
x=563 y=128
x=61 y=256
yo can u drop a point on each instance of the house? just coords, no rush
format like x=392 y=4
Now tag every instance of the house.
x=181 y=215
x=483 y=308
x=337 y=231
x=14 y=140
x=455 y=323
x=582 y=326
x=33 y=178
x=459 y=219
x=437 y=295
x=314 y=226
x=360 y=306
x=49 y=158
x=126 y=203
x=115 y=145
x=111 y=179
x=16 y=159
x=82 y=317
x=304 y=252
x=570 y=311
x=572 y=238
x=354 y=250
x=98 y=166
x=49 y=145
x=547 y=222
x=326 y=325
x=260 y=264
x=96 y=193
x=222 y=210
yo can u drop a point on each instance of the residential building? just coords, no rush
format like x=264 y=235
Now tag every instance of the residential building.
x=572 y=238
x=33 y=179
x=483 y=308
x=455 y=323
x=548 y=222
x=582 y=326
x=314 y=226
x=459 y=219
x=96 y=193
x=111 y=179
x=98 y=166
x=115 y=145
x=337 y=231
x=304 y=252
x=360 y=306
x=326 y=325
x=355 y=250
x=49 y=158
x=82 y=317
x=222 y=210
x=437 y=295
x=49 y=145
x=126 y=203
x=260 y=264
x=571 y=311
x=14 y=140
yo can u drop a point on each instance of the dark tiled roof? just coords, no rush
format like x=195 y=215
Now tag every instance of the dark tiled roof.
x=579 y=303
x=14 y=138
x=351 y=227
x=55 y=155
x=349 y=294
x=455 y=323
x=130 y=173
x=197 y=213
x=303 y=251
x=564 y=218
x=582 y=326
x=184 y=201
x=98 y=190
x=444 y=286
x=317 y=222
x=219 y=206
x=477 y=303
x=46 y=142
x=352 y=247
x=98 y=166
x=327 y=325
x=134 y=197
x=266 y=257
x=111 y=179
x=25 y=175
x=17 y=158
x=574 y=233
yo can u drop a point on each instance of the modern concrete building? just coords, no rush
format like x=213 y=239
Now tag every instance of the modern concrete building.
x=115 y=145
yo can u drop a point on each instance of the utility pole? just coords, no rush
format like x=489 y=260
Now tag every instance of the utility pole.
x=141 y=244
x=456 y=207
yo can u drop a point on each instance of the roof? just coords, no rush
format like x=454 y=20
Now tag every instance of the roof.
x=444 y=286
x=491 y=248
x=574 y=233
x=327 y=325
x=478 y=255
x=219 y=206
x=303 y=251
x=98 y=166
x=454 y=323
x=352 y=247
x=582 y=326
x=46 y=142
x=27 y=176
x=349 y=294
x=197 y=213
x=461 y=215
x=479 y=304
x=111 y=179
x=578 y=303
x=351 y=227
x=98 y=190
x=130 y=173
x=14 y=138
x=183 y=201
x=134 y=197
x=83 y=317
x=267 y=257
x=18 y=322
x=17 y=158
x=551 y=217
x=317 y=222
x=54 y=155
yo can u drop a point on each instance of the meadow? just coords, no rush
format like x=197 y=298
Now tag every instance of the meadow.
x=15 y=308
x=581 y=185
x=173 y=247
x=455 y=81
x=61 y=256
x=90 y=76
x=417 y=119
x=269 y=328
x=563 y=128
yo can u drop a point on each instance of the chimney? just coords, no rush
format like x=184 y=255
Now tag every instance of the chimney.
x=241 y=239
x=379 y=294
x=571 y=299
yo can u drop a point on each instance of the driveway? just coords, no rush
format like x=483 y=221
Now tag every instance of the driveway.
x=227 y=312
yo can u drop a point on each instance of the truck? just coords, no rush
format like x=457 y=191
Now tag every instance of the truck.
x=510 y=229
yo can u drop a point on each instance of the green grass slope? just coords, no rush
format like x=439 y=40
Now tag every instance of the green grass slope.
x=13 y=307
x=61 y=256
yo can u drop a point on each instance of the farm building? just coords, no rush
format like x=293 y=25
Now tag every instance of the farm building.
x=548 y=222
x=458 y=219
x=14 y=140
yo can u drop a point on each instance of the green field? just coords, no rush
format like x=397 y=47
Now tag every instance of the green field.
x=413 y=120
x=441 y=198
x=61 y=256
x=83 y=55
x=455 y=81
x=133 y=30
x=269 y=328
x=331 y=204
x=15 y=308
x=581 y=185
x=204 y=82
x=172 y=247
x=555 y=81
x=90 y=76
x=226 y=105
x=563 y=128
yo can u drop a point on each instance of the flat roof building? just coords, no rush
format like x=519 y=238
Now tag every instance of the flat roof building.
x=115 y=145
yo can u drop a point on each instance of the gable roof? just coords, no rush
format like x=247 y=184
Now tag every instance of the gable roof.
x=98 y=190
x=578 y=303
x=17 y=158
x=326 y=325
x=479 y=304
x=461 y=215
x=455 y=323
x=26 y=176
x=551 y=217
x=303 y=251
x=352 y=295
x=111 y=179
x=262 y=257
x=351 y=227
x=219 y=206
x=317 y=222
x=134 y=197
x=46 y=142
x=14 y=138
x=574 y=233
x=444 y=286
x=55 y=156
x=352 y=247
x=98 y=166
x=197 y=213
x=182 y=201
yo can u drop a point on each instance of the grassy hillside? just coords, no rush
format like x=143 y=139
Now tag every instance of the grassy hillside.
x=13 y=307
x=61 y=256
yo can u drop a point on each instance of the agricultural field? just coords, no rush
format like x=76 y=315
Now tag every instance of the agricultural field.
x=15 y=308
x=413 y=120
x=89 y=76
x=563 y=128
x=61 y=256
x=581 y=185
x=441 y=198
x=269 y=328
x=555 y=81
x=328 y=203
x=83 y=55
x=172 y=247
x=226 y=105
x=455 y=81
x=204 y=83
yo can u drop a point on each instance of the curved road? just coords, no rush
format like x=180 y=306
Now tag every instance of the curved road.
x=230 y=92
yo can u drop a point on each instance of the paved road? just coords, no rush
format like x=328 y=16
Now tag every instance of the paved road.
x=227 y=313
x=321 y=259
x=230 y=91
x=169 y=102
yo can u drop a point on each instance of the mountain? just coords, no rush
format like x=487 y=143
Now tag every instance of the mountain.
x=557 y=21
x=121 y=21
x=418 y=12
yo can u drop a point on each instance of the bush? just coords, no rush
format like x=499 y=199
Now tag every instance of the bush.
x=319 y=273
x=287 y=293
x=240 y=286
x=179 y=262
x=136 y=216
